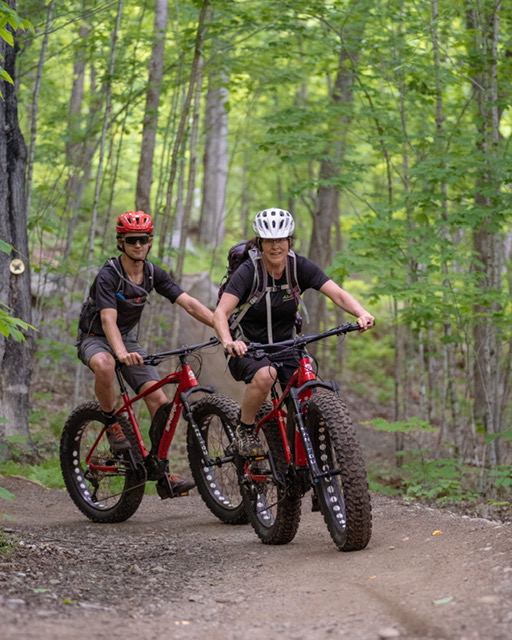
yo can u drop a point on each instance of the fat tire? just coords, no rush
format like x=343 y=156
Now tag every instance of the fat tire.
x=125 y=484
x=335 y=443
x=279 y=523
x=217 y=418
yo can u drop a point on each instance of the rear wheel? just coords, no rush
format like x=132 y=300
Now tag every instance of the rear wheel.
x=343 y=497
x=272 y=503
x=216 y=417
x=105 y=486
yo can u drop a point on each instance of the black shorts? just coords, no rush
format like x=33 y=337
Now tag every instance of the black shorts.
x=135 y=375
x=243 y=369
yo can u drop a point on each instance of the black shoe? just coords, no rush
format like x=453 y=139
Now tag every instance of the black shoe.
x=116 y=438
x=171 y=486
x=248 y=444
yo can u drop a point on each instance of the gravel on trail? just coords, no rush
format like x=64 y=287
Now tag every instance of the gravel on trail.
x=174 y=571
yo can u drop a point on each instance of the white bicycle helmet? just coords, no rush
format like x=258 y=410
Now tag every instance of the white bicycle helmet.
x=274 y=223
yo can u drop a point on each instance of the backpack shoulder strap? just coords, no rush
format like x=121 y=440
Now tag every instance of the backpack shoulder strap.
x=149 y=273
x=258 y=288
x=115 y=263
x=291 y=274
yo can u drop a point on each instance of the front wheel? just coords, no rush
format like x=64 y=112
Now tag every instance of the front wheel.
x=271 y=496
x=213 y=467
x=105 y=486
x=342 y=491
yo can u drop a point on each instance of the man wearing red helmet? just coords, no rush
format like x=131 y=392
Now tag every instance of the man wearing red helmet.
x=111 y=314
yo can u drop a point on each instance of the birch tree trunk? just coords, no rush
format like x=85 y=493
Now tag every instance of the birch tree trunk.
x=15 y=357
x=106 y=117
x=182 y=124
x=81 y=146
x=150 y=124
x=215 y=163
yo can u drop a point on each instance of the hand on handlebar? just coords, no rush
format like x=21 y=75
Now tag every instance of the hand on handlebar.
x=131 y=359
x=236 y=348
x=365 y=321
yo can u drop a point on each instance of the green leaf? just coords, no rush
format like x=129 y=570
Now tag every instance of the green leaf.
x=5 y=494
x=6 y=76
x=443 y=600
x=4 y=246
x=7 y=36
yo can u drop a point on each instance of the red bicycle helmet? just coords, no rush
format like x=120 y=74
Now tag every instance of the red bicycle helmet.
x=133 y=221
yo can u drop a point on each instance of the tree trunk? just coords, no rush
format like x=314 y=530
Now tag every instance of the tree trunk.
x=80 y=147
x=215 y=163
x=200 y=33
x=486 y=240
x=156 y=65
x=35 y=104
x=106 y=117
x=327 y=212
x=15 y=357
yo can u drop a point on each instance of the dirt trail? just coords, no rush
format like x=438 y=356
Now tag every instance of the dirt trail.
x=173 y=571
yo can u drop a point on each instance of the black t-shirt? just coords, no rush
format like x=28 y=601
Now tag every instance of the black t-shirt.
x=128 y=298
x=283 y=304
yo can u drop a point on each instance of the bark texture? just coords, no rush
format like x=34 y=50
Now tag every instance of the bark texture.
x=15 y=357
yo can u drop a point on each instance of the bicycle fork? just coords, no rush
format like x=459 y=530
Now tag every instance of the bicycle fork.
x=188 y=415
x=307 y=455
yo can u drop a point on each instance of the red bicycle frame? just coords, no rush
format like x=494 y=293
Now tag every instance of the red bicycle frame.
x=187 y=383
x=301 y=376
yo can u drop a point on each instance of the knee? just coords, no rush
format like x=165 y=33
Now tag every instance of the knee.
x=264 y=379
x=155 y=399
x=103 y=365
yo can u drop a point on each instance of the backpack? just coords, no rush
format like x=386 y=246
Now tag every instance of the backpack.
x=238 y=254
x=88 y=312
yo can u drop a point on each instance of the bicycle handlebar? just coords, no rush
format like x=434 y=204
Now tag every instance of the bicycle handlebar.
x=302 y=341
x=156 y=358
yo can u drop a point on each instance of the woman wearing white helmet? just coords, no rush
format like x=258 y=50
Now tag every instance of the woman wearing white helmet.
x=270 y=316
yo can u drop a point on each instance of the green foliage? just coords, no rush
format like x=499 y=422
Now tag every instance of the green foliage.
x=9 y=17
x=443 y=480
x=405 y=426
x=6 y=544
x=10 y=326
x=47 y=472
x=502 y=476
x=5 y=494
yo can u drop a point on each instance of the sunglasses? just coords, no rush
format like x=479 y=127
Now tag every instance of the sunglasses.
x=134 y=239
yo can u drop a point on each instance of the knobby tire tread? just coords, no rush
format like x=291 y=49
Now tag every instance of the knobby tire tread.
x=133 y=490
x=288 y=509
x=225 y=502
x=328 y=408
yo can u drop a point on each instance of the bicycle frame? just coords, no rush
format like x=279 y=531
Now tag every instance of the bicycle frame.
x=187 y=384
x=299 y=389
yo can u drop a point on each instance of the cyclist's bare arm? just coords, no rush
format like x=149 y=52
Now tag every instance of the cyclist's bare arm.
x=195 y=308
x=348 y=303
x=227 y=304
x=109 y=324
